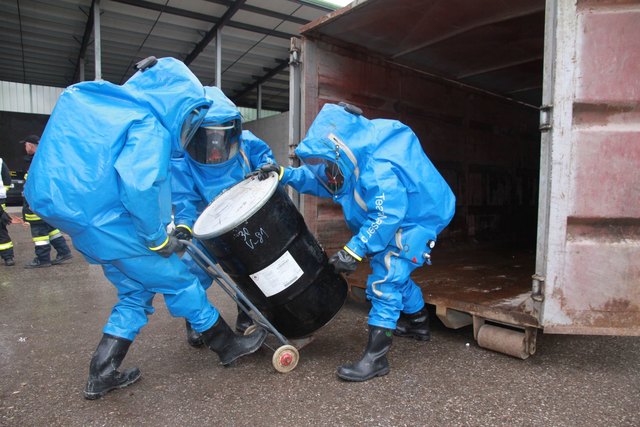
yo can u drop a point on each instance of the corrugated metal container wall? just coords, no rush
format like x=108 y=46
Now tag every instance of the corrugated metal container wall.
x=592 y=256
x=23 y=98
x=559 y=252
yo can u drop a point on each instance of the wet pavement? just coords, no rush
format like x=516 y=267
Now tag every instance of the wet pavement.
x=51 y=321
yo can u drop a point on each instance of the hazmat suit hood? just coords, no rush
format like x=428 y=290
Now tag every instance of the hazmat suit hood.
x=195 y=184
x=392 y=194
x=172 y=92
x=219 y=137
x=225 y=110
x=341 y=136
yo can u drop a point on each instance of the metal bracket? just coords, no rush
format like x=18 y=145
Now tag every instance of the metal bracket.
x=146 y=63
x=453 y=319
x=478 y=322
x=351 y=108
x=530 y=339
x=545 y=118
x=537 y=287
x=294 y=52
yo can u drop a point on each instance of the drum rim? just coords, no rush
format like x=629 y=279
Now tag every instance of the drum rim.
x=233 y=224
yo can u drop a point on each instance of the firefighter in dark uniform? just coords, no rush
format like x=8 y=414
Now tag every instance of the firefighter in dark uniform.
x=6 y=245
x=43 y=235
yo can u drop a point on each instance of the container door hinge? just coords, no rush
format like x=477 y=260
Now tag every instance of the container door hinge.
x=545 y=117
x=294 y=52
x=537 y=287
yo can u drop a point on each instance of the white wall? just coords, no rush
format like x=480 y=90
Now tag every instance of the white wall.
x=274 y=131
x=23 y=98
x=250 y=114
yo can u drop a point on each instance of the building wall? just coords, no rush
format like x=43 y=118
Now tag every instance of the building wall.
x=13 y=128
x=274 y=131
x=250 y=114
x=24 y=110
x=23 y=98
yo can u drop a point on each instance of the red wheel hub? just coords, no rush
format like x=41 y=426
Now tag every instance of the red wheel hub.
x=286 y=359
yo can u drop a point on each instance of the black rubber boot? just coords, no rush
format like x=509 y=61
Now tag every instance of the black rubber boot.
x=243 y=321
x=60 y=259
x=414 y=325
x=193 y=338
x=37 y=263
x=103 y=371
x=63 y=252
x=229 y=346
x=374 y=361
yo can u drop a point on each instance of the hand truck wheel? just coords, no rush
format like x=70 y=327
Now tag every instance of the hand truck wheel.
x=285 y=358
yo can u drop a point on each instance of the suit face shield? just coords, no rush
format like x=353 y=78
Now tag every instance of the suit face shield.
x=191 y=125
x=215 y=144
x=327 y=172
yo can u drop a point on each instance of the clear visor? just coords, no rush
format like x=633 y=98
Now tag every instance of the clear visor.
x=214 y=144
x=191 y=125
x=327 y=172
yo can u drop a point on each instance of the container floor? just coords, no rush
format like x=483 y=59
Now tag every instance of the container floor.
x=487 y=280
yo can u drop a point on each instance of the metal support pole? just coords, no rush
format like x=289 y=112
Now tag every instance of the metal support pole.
x=295 y=109
x=219 y=58
x=81 y=70
x=96 y=41
x=259 y=106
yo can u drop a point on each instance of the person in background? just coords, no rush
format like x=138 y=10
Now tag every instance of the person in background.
x=394 y=201
x=43 y=235
x=102 y=174
x=6 y=245
x=219 y=155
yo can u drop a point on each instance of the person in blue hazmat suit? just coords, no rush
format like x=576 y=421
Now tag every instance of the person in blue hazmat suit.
x=102 y=175
x=394 y=201
x=219 y=155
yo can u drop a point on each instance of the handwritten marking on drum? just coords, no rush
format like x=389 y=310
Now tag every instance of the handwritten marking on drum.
x=248 y=237
x=278 y=276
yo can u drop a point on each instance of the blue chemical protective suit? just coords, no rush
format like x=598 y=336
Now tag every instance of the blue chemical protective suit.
x=102 y=175
x=393 y=199
x=196 y=184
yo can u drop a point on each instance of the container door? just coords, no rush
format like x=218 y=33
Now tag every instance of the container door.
x=588 y=254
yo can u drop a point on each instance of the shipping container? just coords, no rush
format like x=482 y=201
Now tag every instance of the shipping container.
x=531 y=112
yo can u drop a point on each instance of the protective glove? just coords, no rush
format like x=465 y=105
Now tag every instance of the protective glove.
x=342 y=262
x=182 y=232
x=172 y=245
x=266 y=169
x=5 y=218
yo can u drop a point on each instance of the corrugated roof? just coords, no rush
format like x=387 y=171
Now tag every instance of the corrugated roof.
x=43 y=42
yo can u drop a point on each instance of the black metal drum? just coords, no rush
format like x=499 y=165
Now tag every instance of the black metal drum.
x=256 y=234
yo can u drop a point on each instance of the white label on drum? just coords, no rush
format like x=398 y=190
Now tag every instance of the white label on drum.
x=278 y=276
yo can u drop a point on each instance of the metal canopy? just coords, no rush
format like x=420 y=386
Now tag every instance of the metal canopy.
x=44 y=42
x=495 y=45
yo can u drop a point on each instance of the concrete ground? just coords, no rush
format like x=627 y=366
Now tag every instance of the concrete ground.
x=51 y=321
